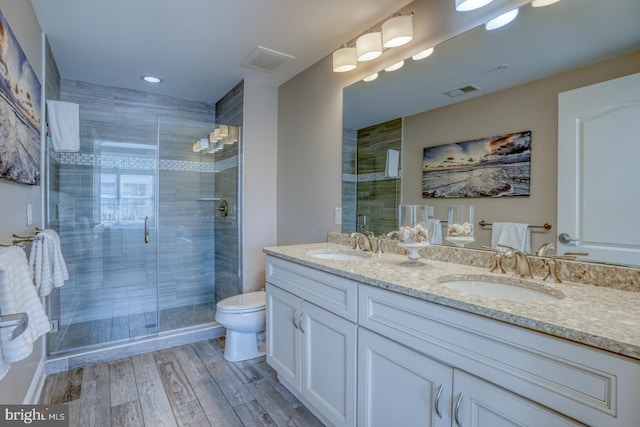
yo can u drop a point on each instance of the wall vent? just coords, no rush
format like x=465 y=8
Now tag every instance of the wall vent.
x=461 y=90
x=264 y=59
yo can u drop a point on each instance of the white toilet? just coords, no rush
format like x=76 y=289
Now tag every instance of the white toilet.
x=245 y=319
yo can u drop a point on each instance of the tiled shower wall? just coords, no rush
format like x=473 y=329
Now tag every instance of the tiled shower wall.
x=112 y=271
x=377 y=195
x=228 y=274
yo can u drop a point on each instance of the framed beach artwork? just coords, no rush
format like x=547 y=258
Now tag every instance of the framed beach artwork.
x=20 y=115
x=497 y=166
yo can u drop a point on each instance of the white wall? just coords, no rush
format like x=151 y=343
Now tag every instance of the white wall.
x=14 y=197
x=259 y=179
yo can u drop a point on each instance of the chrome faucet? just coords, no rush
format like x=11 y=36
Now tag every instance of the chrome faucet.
x=545 y=248
x=521 y=267
x=367 y=244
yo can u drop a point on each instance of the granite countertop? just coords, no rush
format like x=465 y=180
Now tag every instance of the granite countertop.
x=601 y=317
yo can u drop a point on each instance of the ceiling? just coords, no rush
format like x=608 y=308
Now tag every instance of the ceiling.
x=197 y=46
x=539 y=43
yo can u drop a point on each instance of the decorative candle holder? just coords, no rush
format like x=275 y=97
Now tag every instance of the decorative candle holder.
x=460 y=229
x=412 y=233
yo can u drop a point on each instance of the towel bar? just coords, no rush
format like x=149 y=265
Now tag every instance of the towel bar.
x=546 y=225
x=19 y=320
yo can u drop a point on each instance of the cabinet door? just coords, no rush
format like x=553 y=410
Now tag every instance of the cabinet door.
x=400 y=387
x=329 y=364
x=481 y=404
x=283 y=338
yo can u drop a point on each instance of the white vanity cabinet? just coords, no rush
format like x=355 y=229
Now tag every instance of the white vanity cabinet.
x=503 y=375
x=312 y=336
x=400 y=387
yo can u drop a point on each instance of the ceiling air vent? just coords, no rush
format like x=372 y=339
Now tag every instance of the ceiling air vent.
x=264 y=59
x=461 y=90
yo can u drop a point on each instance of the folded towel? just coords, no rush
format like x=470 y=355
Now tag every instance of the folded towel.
x=64 y=125
x=17 y=295
x=435 y=231
x=512 y=234
x=46 y=263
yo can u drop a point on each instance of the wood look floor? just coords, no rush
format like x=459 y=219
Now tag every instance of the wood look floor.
x=190 y=385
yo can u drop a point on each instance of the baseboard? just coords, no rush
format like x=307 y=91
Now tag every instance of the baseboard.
x=37 y=383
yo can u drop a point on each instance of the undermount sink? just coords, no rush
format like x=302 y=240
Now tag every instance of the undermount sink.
x=339 y=255
x=518 y=290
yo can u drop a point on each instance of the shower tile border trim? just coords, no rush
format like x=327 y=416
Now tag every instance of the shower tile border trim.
x=131 y=162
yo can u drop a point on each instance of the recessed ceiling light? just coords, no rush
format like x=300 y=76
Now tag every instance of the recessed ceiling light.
x=370 y=77
x=501 y=20
x=424 y=54
x=395 y=66
x=151 y=79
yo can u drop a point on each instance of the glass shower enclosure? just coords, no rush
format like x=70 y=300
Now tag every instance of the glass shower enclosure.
x=149 y=230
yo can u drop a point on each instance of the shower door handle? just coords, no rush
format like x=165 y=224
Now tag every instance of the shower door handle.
x=146 y=229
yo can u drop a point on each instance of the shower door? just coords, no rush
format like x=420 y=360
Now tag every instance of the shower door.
x=103 y=203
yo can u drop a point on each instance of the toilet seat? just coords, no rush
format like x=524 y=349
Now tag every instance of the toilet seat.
x=245 y=303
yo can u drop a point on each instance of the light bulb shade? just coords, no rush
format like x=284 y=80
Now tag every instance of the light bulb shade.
x=397 y=31
x=467 y=5
x=542 y=3
x=224 y=130
x=344 y=59
x=370 y=77
x=501 y=20
x=422 y=54
x=395 y=66
x=369 y=46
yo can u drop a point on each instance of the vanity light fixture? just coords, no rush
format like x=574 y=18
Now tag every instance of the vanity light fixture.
x=422 y=54
x=151 y=79
x=370 y=77
x=397 y=31
x=344 y=59
x=369 y=46
x=467 y=5
x=501 y=20
x=395 y=66
x=542 y=3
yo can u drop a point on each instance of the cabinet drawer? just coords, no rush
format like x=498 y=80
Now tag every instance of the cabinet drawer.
x=585 y=383
x=335 y=294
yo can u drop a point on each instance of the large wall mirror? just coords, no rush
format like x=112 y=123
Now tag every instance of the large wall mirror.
x=387 y=122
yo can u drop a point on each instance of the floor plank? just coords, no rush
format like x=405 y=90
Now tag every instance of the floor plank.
x=190 y=385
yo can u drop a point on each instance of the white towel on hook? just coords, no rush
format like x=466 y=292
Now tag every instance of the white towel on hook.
x=435 y=231
x=46 y=263
x=64 y=125
x=512 y=234
x=17 y=295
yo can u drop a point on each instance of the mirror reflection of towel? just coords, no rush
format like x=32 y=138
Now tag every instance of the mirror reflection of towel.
x=64 y=125
x=512 y=234
x=435 y=231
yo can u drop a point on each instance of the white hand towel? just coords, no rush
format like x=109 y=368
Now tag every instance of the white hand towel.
x=64 y=125
x=512 y=234
x=435 y=231
x=17 y=295
x=46 y=263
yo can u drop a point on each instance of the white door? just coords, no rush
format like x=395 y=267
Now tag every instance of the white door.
x=283 y=341
x=329 y=364
x=400 y=387
x=481 y=404
x=599 y=170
